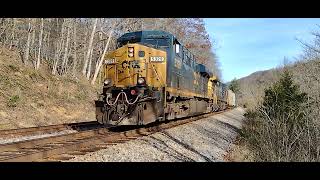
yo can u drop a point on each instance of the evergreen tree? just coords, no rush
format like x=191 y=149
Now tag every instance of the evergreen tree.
x=234 y=86
x=284 y=99
x=279 y=129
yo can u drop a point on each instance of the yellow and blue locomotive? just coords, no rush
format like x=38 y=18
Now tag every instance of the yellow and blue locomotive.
x=152 y=77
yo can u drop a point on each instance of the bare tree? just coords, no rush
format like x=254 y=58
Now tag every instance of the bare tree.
x=70 y=45
x=66 y=51
x=85 y=65
x=89 y=66
x=102 y=57
x=12 y=33
x=59 y=45
x=33 y=40
x=40 y=45
x=27 y=49
x=75 y=61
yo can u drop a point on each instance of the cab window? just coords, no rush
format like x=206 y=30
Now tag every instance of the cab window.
x=156 y=42
x=123 y=42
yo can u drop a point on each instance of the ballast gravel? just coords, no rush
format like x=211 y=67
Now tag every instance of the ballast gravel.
x=204 y=140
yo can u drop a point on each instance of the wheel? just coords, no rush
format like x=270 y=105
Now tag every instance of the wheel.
x=139 y=115
x=109 y=115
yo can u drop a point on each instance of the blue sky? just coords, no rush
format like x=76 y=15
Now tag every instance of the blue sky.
x=246 y=45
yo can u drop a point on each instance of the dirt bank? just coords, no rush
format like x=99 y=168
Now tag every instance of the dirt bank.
x=30 y=98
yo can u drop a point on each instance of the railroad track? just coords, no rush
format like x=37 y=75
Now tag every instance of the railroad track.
x=66 y=146
x=47 y=129
x=12 y=133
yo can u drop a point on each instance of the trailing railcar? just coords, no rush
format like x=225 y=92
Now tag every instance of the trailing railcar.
x=152 y=77
x=231 y=100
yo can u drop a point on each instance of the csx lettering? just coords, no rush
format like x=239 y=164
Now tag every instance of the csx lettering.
x=130 y=64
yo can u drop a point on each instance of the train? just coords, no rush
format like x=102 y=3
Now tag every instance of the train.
x=152 y=77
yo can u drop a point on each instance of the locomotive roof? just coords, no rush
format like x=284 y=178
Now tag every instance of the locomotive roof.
x=146 y=33
x=160 y=34
x=204 y=70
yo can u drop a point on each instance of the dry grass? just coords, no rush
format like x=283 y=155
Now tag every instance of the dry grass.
x=240 y=152
x=279 y=140
x=32 y=98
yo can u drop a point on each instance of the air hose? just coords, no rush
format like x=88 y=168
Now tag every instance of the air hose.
x=117 y=98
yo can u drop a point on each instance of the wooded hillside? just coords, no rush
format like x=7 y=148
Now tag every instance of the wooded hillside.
x=76 y=45
x=305 y=71
x=50 y=67
x=284 y=109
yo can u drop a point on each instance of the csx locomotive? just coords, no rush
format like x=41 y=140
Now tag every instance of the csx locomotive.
x=152 y=77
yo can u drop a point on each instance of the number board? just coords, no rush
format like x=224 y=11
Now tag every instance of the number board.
x=110 y=61
x=156 y=59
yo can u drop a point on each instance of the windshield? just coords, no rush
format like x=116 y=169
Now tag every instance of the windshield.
x=126 y=41
x=151 y=42
x=156 y=42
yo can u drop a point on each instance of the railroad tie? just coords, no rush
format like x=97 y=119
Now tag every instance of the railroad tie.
x=77 y=153
x=59 y=157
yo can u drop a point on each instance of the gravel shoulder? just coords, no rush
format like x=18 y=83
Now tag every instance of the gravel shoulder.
x=205 y=140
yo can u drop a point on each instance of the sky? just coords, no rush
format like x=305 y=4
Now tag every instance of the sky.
x=247 y=45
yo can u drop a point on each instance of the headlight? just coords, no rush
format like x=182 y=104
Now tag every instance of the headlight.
x=130 y=51
x=141 y=80
x=107 y=82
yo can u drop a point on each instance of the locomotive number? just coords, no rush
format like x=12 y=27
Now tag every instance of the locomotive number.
x=110 y=61
x=156 y=59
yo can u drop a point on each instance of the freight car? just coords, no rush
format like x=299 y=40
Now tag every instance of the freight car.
x=152 y=77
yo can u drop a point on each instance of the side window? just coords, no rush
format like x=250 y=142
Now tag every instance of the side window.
x=185 y=56
x=192 y=61
x=188 y=59
x=177 y=49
